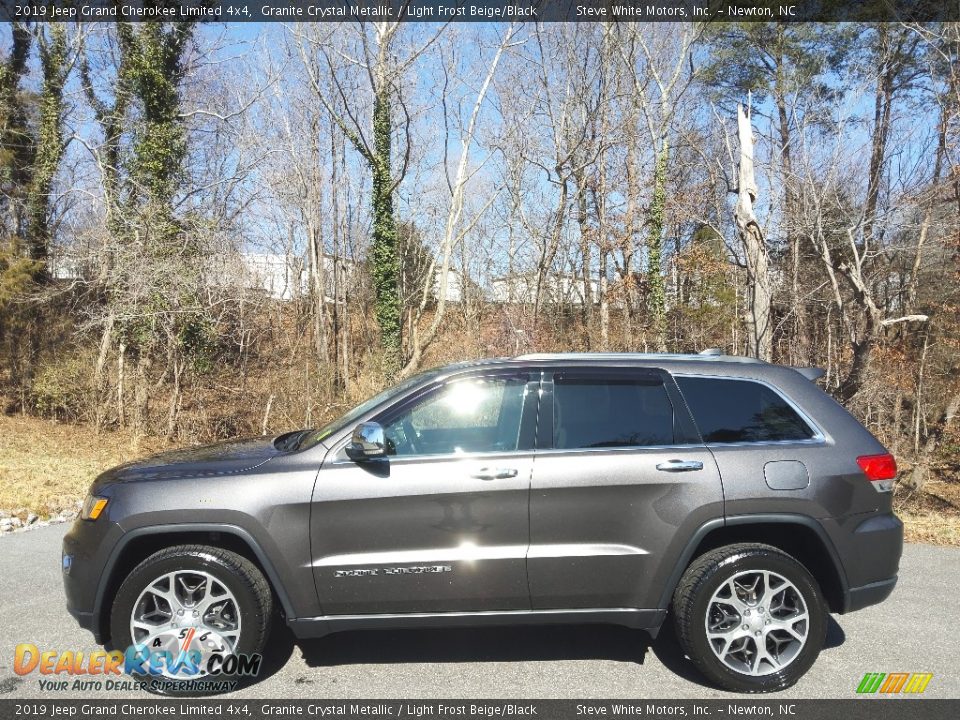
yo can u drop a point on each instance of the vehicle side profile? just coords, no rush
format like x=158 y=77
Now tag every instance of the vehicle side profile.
x=732 y=496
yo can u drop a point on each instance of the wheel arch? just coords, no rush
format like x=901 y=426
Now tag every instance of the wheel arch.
x=800 y=536
x=137 y=545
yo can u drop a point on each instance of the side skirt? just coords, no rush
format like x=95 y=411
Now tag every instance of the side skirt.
x=316 y=627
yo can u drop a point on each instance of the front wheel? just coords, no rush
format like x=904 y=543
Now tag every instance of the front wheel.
x=750 y=617
x=195 y=619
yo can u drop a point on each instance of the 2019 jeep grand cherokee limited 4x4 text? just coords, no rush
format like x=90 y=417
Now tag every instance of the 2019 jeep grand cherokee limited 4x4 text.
x=730 y=494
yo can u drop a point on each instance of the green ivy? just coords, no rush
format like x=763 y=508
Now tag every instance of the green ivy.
x=384 y=258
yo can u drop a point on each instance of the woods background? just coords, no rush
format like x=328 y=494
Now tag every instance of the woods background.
x=211 y=231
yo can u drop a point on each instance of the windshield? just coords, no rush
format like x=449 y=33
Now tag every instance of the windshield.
x=312 y=438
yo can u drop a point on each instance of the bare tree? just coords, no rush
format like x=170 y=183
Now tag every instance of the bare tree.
x=759 y=321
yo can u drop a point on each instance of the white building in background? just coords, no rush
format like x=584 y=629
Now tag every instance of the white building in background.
x=454 y=285
x=560 y=288
x=282 y=277
x=285 y=277
x=278 y=276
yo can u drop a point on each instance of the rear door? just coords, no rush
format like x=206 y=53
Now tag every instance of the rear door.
x=620 y=470
x=442 y=523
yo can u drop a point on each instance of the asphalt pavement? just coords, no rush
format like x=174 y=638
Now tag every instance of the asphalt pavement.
x=916 y=630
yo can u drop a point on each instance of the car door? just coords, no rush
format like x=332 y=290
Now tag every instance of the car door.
x=620 y=470
x=441 y=524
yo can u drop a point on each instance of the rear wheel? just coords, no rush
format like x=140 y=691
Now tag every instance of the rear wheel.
x=193 y=611
x=750 y=617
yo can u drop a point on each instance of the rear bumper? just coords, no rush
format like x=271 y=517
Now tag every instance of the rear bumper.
x=870 y=547
x=866 y=595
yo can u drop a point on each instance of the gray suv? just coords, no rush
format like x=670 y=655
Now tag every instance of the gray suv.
x=732 y=496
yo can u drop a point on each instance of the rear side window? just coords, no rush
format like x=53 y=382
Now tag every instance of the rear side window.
x=610 y=412
x=728 y=411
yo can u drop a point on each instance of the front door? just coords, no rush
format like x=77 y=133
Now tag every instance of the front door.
x=442 y=523
x=620 y=471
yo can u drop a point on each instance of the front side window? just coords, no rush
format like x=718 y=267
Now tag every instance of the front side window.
x=728 y=411
x=610 y=412
x=466 y=416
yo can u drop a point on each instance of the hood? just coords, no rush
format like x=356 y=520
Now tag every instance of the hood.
x=221 y=458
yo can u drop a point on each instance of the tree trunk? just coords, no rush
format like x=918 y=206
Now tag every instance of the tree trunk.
x=755 y=247
x=656 y=302
x=799 y=343
x=384 y=258
x=585 y=255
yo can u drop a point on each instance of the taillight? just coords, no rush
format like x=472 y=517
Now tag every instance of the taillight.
x=881 y=470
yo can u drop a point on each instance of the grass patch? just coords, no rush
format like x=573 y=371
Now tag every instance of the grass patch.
x=45 y=466
x=931 y=516
x=934 y=529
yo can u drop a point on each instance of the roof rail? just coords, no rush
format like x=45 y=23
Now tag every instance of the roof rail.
x=707 y=355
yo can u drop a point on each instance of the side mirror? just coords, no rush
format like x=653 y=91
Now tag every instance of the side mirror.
x=367 y=443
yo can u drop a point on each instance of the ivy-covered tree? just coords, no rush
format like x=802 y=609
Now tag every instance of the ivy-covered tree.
x=374 y=143
x=31 y=151
x=169 y=323
x=55 y=64
x=16 y=148
x=31 y=128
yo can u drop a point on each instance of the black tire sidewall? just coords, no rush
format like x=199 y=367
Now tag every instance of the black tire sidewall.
x=252 y=639
x=757 y=559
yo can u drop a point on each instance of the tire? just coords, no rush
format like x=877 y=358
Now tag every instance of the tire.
x=237 y=606
x=732 y=584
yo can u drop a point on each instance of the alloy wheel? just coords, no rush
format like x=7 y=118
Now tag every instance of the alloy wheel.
x=757 y=622
x=191 y=600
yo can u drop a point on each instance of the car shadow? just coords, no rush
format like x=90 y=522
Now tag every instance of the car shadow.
x=478 y=645
x=493 y=644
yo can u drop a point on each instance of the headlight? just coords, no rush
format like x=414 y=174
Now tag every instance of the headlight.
x=92 y=507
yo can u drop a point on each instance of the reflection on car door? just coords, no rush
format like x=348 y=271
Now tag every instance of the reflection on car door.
x=441 y=524
x=618 y=470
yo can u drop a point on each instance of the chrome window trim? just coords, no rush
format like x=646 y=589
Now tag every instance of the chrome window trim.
x=411 y=459
x=621 y=449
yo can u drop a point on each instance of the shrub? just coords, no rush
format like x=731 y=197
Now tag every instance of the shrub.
x=62 y=389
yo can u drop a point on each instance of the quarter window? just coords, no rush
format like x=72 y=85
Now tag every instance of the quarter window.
x=729 y=411
x=466 y=416
x=610 y=412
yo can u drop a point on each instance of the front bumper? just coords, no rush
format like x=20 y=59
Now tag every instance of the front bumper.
x=86 y=549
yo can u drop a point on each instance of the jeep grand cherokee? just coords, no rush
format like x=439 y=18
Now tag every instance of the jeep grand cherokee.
x=732 y=496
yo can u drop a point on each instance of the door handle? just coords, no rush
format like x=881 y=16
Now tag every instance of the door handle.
x=488 y=473
x=680 y=465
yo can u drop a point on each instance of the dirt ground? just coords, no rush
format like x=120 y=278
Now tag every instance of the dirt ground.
x=46 y=467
